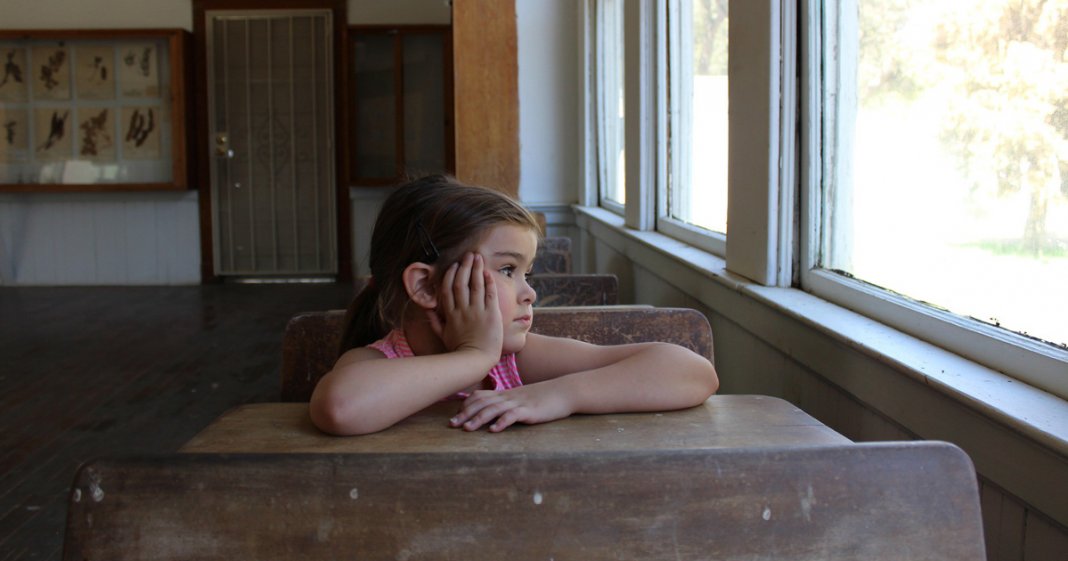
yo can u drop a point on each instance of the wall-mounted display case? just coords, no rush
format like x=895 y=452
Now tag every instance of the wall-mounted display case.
x=93 y=110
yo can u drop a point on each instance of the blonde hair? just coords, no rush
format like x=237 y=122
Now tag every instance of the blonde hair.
x=434 y=219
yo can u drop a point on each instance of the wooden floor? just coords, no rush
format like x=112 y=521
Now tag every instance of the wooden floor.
x=88 y=372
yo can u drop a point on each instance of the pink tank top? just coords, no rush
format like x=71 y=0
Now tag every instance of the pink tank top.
x=505 y=374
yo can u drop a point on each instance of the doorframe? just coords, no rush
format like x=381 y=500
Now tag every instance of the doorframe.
x=202 y=146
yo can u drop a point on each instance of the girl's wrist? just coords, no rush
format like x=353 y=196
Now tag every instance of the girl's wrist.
x=482 y=361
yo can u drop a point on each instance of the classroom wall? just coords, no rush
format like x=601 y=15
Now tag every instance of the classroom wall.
x=152 y=238
x=87 y=14
x=143 y=238
x=548 y=101
x=98 y=238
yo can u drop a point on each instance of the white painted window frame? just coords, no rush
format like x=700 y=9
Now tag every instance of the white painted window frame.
x=599 y=49
x=675 y=108
x=1041 y=365
x=776 y=173
x=758 y=193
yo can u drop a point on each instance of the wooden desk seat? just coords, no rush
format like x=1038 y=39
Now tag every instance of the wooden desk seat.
x=880 y=501
x=561 y=289
x=573 y=289
x=309 y=344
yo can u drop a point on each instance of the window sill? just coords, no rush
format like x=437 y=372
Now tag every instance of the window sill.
x=1006 y=406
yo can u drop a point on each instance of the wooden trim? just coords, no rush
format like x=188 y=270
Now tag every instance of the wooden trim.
x=87 y=188
x=341 y=118
x=450 y=103
x=399 y=153
x=403 y=29
x=341 y=137
x=26 y=34
x=183 y=129
x=200 y=144
x=486 y=93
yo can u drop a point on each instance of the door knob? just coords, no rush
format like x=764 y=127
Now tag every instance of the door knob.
x=222 y=146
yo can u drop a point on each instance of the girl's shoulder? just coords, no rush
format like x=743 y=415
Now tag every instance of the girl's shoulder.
x=359 y=354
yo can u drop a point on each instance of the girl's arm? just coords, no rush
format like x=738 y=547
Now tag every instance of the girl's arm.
x=570 y=376
x=366 y=392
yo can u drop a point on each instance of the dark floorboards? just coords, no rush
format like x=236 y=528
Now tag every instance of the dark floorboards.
x=98 y=371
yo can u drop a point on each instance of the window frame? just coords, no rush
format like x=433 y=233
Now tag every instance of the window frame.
x=776 y=170
x=1036 y=363
x=598 y=61
x=672 y=37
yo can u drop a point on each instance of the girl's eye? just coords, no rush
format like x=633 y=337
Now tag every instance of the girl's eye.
x=508 y=271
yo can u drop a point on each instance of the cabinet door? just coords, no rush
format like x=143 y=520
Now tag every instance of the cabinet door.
x=401 y=103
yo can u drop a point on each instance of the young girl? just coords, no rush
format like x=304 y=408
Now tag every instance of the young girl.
x=447 y=314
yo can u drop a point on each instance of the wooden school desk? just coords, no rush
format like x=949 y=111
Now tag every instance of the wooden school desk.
x=724 y=421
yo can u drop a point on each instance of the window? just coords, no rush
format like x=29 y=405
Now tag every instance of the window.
x=945 y=186
x=913 y=168
x=609 y=64
x=676 y=77
x=693 y=202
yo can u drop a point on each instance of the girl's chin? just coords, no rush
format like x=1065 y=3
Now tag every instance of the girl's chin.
x=515 y=345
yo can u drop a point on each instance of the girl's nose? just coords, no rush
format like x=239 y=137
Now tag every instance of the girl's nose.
x=527 y=295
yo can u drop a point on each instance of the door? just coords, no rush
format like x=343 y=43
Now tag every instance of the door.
x=270 y=87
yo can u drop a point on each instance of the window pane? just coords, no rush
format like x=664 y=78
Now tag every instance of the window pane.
x=698 y=186
x=610 y=103
x=951 y=178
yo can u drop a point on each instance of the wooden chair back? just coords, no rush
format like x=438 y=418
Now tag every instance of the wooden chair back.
x=310 y=341
x=553 y=256
x=561 y=289
x=879 y=501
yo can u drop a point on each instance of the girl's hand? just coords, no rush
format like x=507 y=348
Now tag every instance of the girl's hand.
x=533 y=404
x=468 y=316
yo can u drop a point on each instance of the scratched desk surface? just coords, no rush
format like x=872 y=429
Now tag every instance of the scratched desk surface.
x=724 y=421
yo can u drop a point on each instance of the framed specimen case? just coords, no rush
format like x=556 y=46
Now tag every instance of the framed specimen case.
x=94 y=110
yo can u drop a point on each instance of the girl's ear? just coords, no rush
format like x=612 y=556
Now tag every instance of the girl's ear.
x=418 y=283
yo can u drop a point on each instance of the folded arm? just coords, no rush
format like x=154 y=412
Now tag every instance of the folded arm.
x=565 y=376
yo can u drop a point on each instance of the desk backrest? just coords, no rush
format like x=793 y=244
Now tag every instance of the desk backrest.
x=881 y=502
x=309 y=344
x=560 y=289
x=553 y=256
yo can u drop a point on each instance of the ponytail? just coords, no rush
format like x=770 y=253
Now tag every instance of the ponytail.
x=363 y=323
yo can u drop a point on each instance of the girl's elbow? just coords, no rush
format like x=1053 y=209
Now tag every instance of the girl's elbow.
x=336 y=416
x=700 y=378
x=710 y=379
x=704 y=376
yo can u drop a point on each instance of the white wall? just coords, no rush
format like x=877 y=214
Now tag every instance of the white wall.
x=402 y=12
x=89 y=14
x=548 y=101
x=99 y=239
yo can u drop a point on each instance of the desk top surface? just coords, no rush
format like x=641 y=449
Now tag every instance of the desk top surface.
x=724 y=421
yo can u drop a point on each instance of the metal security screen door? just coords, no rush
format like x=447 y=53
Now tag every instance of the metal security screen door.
x=271 y=114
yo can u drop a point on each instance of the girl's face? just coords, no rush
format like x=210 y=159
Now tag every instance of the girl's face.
x=508 y=251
